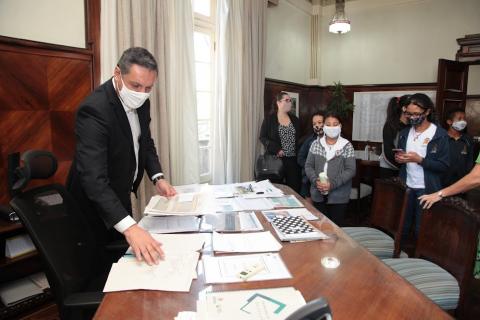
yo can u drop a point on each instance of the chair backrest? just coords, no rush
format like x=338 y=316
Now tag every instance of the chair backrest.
x=59 y=231
x=448 y=237
x=389 y=204
x=317 y=309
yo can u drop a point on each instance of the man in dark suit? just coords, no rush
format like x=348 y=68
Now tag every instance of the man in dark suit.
x=114 y=147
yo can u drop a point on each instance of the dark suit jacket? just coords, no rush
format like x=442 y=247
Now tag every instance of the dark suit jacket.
x=101 y=175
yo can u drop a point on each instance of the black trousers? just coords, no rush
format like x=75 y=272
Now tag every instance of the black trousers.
x=293 y=177
x=335 y=212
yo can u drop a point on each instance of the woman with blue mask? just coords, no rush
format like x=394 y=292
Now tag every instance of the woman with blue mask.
x=330 y=167
x=424 y=156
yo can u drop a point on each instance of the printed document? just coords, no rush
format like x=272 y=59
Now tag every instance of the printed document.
x=179 y=243
x=172 y=274
x=300 y=212
x=286 y=202
x=225 y=269
x=170 y=224
x=258 y=304
x=245 y=242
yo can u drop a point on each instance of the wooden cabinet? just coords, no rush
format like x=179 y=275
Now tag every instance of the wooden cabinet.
x=16 y=268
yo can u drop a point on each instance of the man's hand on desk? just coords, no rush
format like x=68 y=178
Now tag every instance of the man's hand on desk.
x=143 y=245
x=164 y=188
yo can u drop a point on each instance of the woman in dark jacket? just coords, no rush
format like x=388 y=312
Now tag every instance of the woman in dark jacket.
x=279 y=135
x=424 y=156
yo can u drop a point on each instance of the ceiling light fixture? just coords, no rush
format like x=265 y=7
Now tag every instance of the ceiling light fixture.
x=340 y=23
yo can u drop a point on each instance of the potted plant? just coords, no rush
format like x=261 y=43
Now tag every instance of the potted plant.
x=339 y=102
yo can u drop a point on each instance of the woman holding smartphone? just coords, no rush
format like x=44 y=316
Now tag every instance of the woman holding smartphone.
x=424 y=156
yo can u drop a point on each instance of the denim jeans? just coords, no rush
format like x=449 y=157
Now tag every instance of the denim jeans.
x=414 y=212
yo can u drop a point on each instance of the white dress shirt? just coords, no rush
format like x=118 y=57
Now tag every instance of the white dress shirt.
x=418 y=143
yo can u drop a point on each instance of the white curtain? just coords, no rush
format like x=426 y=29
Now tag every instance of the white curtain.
x=240 y=80
x=165 y=28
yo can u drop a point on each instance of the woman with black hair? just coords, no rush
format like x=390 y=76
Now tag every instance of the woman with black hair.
x=279 y=135
x=424 y=156
x=395 y=122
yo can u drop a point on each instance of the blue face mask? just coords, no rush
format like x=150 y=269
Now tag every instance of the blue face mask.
x=416 y=121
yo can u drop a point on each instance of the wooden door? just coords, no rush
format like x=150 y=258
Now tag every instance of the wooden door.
x=451 y=87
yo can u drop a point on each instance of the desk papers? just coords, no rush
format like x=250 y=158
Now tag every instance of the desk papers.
x=264 y=304
x=250 y=189
x=224 y=269
x=178 y=243
x=172 y=274
x=245 y=242
x=285 y=202
x=170 y=224
x=231 y=222
x=242 y=204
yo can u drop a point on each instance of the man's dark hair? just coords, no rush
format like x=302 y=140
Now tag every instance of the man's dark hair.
x=139 y=56
x=452 y=113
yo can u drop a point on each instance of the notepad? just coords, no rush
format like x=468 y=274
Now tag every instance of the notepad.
x=245 y=242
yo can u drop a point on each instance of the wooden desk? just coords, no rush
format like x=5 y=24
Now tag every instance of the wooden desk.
x=362 y=287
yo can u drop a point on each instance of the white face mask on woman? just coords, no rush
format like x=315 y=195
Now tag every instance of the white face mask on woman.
x=132 y=99
x=332 y=132
x=459 y=125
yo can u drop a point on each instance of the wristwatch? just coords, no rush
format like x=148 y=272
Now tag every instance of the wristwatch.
x=157 y=178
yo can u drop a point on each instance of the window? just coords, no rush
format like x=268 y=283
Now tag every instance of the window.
x=204 y=45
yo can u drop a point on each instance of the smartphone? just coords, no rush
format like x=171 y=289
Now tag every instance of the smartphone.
x=398 y=150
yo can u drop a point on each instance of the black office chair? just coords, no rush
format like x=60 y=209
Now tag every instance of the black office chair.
x=61 y=235
x=317 y=309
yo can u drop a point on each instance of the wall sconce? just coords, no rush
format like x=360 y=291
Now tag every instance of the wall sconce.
x=340 y=23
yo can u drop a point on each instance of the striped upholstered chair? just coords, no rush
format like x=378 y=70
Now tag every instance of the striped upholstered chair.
x=387 y=214
x=445 y=253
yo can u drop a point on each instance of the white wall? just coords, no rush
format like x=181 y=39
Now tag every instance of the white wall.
x=394 y=41
x=288 y=41
x=51 y=21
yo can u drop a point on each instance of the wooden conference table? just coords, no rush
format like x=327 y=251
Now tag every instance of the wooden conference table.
x=362 y=287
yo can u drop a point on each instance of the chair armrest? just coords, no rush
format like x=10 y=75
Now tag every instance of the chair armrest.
x=84 y=299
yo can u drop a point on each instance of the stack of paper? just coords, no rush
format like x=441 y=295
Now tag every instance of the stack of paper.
x=174 y=273
x=250 y=189
x=243 y=204
x=170 y=224
x=225 y=269
x=18 y=291
x=245 y=242
x=275 y=303
x=300 y=212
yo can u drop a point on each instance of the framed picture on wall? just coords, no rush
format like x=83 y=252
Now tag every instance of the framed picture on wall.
x=295 y=102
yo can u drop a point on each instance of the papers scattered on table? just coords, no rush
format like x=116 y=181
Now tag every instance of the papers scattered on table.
x=250 y=189
x=242 y=204
x=225 y=269
x=170 y=224
x=265 y=304
x=245 y=242
x=231 y=222
x=301 y=212
x=285 y=202
x=172 y=274
x=178 y=243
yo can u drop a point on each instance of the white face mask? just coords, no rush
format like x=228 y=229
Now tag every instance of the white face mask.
x=132 y=99
x=332 y=132
x=459 y=125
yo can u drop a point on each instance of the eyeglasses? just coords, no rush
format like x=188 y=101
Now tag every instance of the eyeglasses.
x=287 y=100
x=416 y=114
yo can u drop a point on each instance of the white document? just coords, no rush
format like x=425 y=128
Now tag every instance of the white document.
x=18 y=290
x=172 y=274
x=186 y=315
x=181 y=204
x=255 y=204
x=289 y=201
x=300 y=212
x=245 y=242
x=227 y=205
x=174 y=244
x=231 y=222
x=170 y=224
x=264 y=304
x=225 y=269
x=18 y=245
